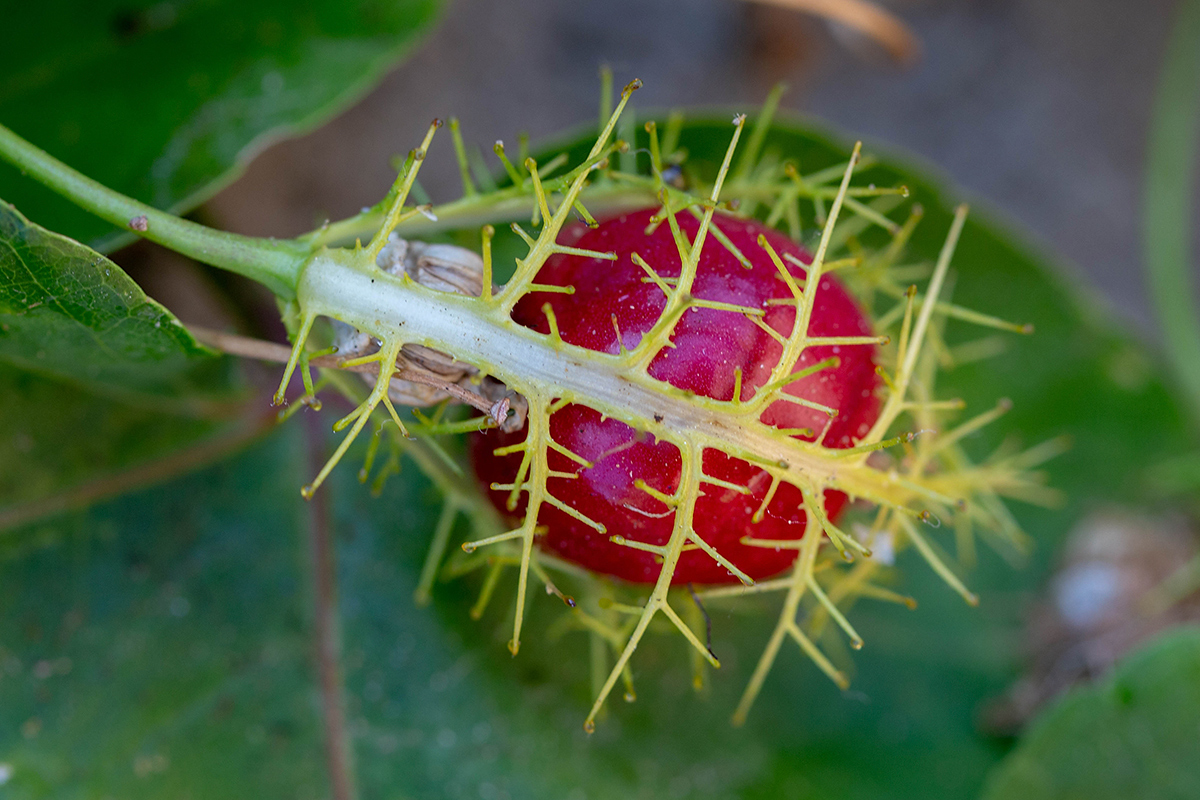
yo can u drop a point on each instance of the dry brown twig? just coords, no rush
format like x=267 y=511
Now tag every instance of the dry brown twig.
x=868 y=18
x=262 y=350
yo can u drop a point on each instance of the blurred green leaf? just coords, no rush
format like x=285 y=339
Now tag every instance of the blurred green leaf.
x=143 y=656
x=63 y=448
x=1178 y=476
x=1171 y=158
x=165 y=101
x=163 y=642
x=1135 y=734
x=69 y=312
x=102 y=390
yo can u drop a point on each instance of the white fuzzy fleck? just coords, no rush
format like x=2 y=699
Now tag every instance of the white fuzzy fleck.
x=1086 y=593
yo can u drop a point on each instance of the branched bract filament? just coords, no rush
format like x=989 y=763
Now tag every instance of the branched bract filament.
x=933 y=482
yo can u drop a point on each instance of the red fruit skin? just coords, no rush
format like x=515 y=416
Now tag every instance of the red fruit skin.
x=709 y=344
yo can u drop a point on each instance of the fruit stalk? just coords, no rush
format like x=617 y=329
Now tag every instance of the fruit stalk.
x=273 y=263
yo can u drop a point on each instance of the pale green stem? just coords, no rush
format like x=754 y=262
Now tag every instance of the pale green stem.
x=275 y=264
x=511 y=204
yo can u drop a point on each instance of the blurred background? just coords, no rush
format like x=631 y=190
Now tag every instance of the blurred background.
x=1036 y=110
x=1040 y=109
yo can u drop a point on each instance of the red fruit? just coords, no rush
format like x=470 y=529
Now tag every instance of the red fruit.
x=709 y=344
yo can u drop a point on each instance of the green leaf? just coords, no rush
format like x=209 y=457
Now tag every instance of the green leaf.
x=102 y=389
x=1171 y=158
x=166 y=101
x=69 y=312
x=164 y=642
x=1135 y=734
x=149 y=660
x=63 y=448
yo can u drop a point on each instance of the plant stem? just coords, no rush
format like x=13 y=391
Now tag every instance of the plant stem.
x=529 y=363
x=270 y=351
x=510 y=204
x=327 y=634
x=275 y=264
x=1170 y=172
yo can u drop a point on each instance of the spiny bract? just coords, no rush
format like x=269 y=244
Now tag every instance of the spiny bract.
x=424 y=323
x=543 y=366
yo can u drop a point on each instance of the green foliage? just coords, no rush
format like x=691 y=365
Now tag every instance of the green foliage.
x=165 y=101
x=1170 y=187
x=101 y=388
x=69 y=312
x=62 y=447
x=96 y=378
x=136 y=633
x=1133 y=735
x=163 y=642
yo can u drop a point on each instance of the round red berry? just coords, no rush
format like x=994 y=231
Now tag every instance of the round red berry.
x=708 y=345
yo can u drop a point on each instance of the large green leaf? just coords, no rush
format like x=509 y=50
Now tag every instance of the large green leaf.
x=163 y=642
x=69 y=312
x=102 y=389
x=65 y=448
x=143 y=657
x=165 y=101
x=1134 y=735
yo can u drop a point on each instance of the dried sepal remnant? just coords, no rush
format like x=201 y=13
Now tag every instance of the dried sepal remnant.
x=914 y=475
